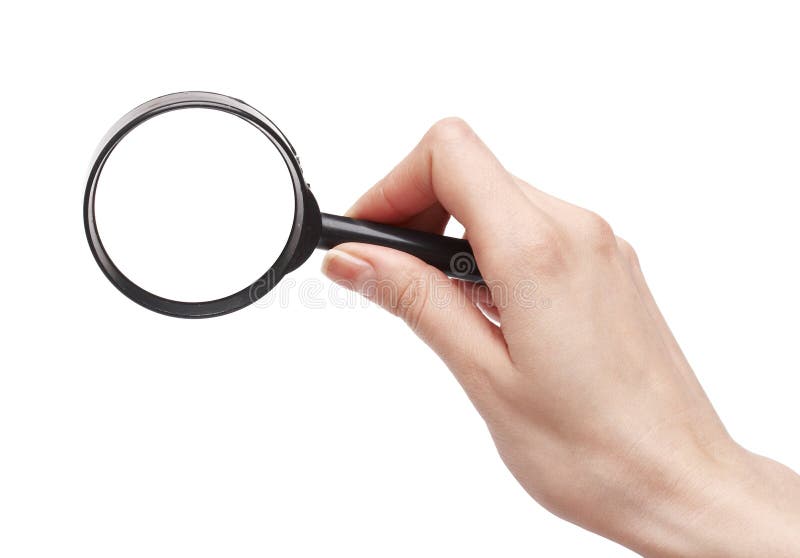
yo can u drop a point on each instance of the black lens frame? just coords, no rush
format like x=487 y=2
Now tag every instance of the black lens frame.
x=286 y=261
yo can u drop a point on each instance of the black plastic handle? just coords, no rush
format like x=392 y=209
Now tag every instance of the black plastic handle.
x=452 y=255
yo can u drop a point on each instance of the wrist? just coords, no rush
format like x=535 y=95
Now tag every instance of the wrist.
x=729 y=502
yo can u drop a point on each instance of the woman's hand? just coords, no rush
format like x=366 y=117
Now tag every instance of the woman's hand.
x=590 y=401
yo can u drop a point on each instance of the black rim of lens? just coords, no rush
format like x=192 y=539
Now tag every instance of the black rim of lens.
x=168 y=103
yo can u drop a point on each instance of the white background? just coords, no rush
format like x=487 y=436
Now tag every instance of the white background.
x=302 y=431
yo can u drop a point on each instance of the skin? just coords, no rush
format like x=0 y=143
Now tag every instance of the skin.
x=588 y=397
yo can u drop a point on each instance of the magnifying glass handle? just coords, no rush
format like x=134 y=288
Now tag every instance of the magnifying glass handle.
x=452 y=255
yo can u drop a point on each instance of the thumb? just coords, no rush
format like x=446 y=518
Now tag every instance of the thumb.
x=433 y=305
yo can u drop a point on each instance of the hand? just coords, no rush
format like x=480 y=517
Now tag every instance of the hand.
x=590 y=401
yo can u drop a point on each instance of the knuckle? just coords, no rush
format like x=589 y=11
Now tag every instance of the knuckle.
x=449 y=130
x=411 y=302
x=599 y=233
x=627 y=252
x=546 y=250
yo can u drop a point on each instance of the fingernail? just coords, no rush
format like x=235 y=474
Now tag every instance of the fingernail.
x=346 y=269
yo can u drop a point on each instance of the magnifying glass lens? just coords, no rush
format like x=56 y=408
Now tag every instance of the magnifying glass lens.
x=194 y=205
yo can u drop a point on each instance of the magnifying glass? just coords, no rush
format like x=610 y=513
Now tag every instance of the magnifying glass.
x=284 y=211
